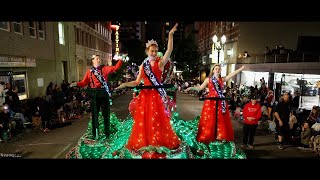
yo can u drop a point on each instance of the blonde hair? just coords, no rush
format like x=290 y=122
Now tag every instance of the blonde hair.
x=155 y=45
x=211 y=72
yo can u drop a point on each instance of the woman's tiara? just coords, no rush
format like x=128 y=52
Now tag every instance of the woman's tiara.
x=151 y=42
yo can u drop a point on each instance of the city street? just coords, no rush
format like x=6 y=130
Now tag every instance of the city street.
x=58 y=142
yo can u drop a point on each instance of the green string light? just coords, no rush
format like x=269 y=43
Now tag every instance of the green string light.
x=114 y=147
x=187 y=131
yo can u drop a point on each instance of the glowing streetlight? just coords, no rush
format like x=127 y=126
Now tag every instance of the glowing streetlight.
x=218 y=45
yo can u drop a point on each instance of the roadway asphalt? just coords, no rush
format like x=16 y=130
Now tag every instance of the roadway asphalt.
x=55 y=144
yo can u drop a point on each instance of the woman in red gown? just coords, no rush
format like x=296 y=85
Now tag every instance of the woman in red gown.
x=207 y=122
x=149 y=109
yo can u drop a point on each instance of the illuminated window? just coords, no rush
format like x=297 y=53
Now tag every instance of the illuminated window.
x=61 y=33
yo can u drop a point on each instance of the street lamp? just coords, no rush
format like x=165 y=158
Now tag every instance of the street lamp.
x=218 y=45
x=283 y=82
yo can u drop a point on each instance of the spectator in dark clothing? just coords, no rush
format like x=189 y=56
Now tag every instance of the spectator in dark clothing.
x=295 y=102
x=36 y=107
x=49 y=90
x=45 y=113
x=16 y=100
x=9 y=99
x=59 y=98
x=28 y=110
x=64 y=87
x=232 y=103
x=6 y=122
x=12 y=99
x=67 y=110
x=282 y=115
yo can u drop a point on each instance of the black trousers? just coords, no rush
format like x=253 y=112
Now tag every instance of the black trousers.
x=248 y=134
x=45 y=120
x=100 y=100
x=1 y=132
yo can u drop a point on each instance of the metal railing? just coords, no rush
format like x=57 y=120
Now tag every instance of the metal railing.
x=279 y=58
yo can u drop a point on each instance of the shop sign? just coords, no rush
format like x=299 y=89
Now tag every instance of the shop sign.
x=10 y=61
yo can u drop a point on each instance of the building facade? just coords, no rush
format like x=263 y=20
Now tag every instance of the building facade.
x=247 y=42
x=91 y=38
x=38 y=53
x=205 y=32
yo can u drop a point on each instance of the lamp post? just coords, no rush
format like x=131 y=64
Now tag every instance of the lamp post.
x=218 y=45
x=283 y=82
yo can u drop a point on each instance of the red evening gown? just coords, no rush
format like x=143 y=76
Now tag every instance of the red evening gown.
x=207 y=122
x=151 y=123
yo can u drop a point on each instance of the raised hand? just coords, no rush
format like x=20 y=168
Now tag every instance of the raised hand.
x=173 y=29
x=116 y=57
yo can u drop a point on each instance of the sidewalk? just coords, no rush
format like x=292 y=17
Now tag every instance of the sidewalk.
x=31 y=131
x=266 y=146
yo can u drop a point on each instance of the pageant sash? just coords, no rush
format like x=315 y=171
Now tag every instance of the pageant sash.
x=152 y=78
x=101 y=79
x=219 y=91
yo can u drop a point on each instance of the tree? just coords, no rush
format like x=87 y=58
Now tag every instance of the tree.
x=186 y=54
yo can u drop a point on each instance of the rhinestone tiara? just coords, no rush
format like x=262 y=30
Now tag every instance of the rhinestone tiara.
x=151 y=42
